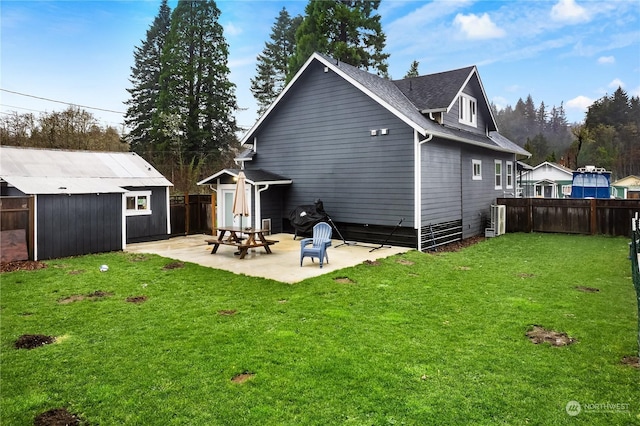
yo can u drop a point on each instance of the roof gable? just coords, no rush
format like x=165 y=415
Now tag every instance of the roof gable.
x=387 y=93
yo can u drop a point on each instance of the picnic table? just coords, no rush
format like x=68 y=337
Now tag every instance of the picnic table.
x=242 y=238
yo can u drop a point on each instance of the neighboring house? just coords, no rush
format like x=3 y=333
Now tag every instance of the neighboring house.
x=87 y=202
x=547 y=180
x=628 y=187
x=422 y=150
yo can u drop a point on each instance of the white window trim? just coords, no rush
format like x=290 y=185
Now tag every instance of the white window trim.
x=468 y=110
x=475 y=176
x=137 y=194
x=498 y=185
x=509 y=174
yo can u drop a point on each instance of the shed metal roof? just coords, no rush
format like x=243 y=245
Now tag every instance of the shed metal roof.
x=47 y=171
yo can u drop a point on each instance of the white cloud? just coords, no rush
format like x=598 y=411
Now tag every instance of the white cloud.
x=568 y=11
x=635 y=92
x=580 y=103
x=615 y=83
x=478 y=27
x=606 y=60
x=500 y=102
x=231 y=30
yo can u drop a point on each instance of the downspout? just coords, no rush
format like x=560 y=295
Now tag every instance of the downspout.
x=417 y=160
x=168 y=212
x=35 y=226
x=258 y=218
x=124 y=221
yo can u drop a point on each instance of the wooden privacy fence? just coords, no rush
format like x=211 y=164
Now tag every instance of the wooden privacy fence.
x=192 y=214
x=570 y=216
x=16 y=228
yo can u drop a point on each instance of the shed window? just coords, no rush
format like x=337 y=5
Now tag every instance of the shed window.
x=467 y=111
x=498 y=166
x=138 y=203
x=477 y=169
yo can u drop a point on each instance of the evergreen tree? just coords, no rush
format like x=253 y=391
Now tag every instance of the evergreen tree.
x=413 y=70
x=145 y=78
x=272 y=63
x=347 y=30
x=194 y=116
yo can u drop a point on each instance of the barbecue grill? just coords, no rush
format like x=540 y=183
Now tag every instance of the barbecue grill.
x=304 y=218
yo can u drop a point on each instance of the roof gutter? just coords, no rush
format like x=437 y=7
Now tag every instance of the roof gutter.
x=417 y=175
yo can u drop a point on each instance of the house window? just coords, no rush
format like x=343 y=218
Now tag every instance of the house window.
x=477 y=169
x=509 y=174
x=498 y=168
x=467 y=111
x=138 y=203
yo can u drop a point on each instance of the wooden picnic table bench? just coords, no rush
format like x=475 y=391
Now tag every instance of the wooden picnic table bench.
x=243 y=239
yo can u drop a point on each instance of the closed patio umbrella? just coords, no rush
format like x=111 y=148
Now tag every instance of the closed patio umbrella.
x=240 y=202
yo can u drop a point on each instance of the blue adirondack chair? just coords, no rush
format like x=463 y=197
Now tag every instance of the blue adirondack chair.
x=317 y=246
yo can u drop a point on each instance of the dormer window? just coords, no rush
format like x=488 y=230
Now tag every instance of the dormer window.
x=468 y=112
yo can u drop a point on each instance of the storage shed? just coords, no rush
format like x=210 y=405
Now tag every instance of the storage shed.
x=84 y=201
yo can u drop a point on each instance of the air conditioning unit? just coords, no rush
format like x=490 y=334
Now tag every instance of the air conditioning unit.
x=498 y=221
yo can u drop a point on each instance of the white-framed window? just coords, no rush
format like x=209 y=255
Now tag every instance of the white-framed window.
x=477 y=169
x=138 y=203
x=509 y=174
x=566 y=190
x=467 y=110
x=498 y=174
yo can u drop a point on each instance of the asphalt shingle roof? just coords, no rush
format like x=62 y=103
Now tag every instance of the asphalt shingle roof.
x=434 y=92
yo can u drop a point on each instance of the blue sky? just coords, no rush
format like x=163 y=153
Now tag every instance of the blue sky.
x=557 y=51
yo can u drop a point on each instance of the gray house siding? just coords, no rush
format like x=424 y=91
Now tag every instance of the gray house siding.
x=321 y=139
x=478 y=195
x=149 y=227
x=441 y=207
x=78 y=224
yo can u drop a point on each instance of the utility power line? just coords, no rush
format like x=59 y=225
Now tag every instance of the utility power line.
x=61 y=102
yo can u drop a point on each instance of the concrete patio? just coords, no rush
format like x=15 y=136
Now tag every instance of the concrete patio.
x=281 y=265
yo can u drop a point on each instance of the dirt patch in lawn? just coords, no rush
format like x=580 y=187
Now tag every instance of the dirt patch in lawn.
x=57 y=417
x=227 y=312
x=371 y=263
x=587 y=289
x=540 y=335
x=526 y=275
x=137 y=257
x=21 y=265
x=405 y=262
x=173 y=265
x=344 y=280
x=632 y=361
x=243 y=377
x=99 y=294
x=457 y=245
x=76 y=272
x=31 y=341
x=136 y=299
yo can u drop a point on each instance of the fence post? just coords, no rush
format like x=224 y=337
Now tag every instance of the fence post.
x=529 y=215
x=187 y=213
x=594 y=222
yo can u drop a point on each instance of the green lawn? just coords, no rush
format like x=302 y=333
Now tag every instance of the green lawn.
x=418 y=339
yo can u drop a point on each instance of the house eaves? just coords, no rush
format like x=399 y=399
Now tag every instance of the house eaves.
x=253 y=177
